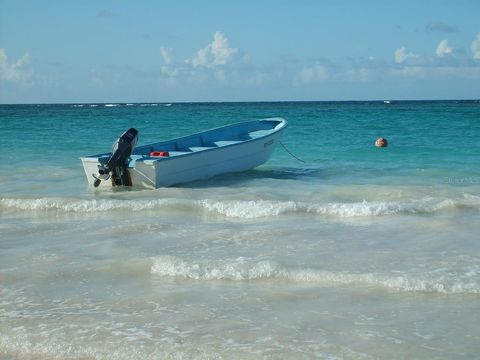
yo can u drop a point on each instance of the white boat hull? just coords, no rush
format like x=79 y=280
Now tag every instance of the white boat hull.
x=201 y=163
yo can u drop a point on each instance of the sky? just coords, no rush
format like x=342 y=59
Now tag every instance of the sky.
x=263 y=50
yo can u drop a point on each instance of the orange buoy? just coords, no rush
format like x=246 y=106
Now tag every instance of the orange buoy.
x=381 y=142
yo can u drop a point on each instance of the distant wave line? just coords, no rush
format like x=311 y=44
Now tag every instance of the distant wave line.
x=121 y=104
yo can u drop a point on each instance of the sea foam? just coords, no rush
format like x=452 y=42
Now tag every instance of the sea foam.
x=265 y=208
x=241 y=209
x=242 y=269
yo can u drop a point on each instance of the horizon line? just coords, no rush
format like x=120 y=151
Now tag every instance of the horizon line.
x=239 y=102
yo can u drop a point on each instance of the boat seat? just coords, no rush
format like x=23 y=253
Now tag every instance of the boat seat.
x=225 y=143
x=177 y=153
x=151 y=159
x=133 y=160
x=201 y=148
x=259 y=133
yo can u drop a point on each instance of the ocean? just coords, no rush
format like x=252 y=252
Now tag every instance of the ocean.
x=348 y=252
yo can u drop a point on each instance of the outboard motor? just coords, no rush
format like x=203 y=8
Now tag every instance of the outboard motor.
x=116 y=166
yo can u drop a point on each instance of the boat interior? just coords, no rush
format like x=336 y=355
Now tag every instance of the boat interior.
x=210 y=139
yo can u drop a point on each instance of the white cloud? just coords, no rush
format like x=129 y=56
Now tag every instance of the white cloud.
x=167 y=55
x=308 y=75
x=167 y=68
x=402 y=55
x=218 y=52
x=13 y=72
x=207 y=64
x=476 y=47
x=443 y=48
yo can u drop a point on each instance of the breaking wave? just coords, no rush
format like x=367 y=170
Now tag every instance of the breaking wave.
x=242 y=269
x=265 y=208
x=86 y=206
x=240 y=208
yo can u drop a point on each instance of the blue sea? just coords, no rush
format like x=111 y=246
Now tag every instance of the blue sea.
x=342 y=251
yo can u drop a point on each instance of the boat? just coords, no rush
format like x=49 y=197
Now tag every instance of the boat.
x=231 y=148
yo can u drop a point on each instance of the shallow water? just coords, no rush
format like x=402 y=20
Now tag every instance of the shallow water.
x=359 y=253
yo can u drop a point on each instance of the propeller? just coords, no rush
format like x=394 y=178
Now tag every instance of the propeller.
x=100 y=176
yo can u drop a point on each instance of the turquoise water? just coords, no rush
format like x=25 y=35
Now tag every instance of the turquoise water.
x=357 y=252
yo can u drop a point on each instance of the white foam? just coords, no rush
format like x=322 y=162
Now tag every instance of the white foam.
x=248 y=209
x=265 y=208
x=237 y=269
x=86 y=206
x=242 y=269
x=110 y=105
x=405 y=282
x=242 y=209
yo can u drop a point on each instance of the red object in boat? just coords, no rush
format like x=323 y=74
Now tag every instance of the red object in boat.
x=159 y=154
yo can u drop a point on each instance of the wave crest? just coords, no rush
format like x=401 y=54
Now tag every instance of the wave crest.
x=238 y=269
x=263 y=208
x=82 y=205
x=240 y=208
x=242 y=269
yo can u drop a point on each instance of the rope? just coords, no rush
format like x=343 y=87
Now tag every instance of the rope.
x=291 y=154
